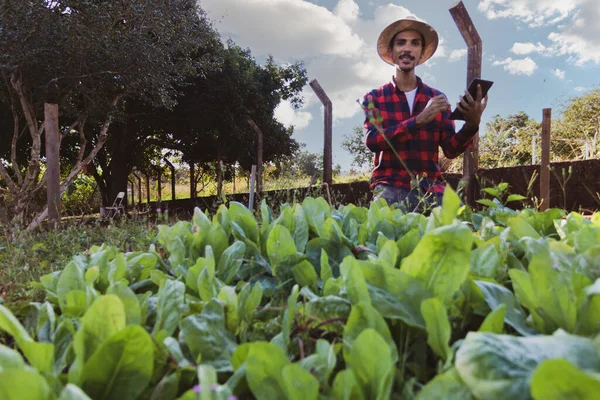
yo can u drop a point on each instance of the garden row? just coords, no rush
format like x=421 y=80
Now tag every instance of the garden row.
x=321 y=303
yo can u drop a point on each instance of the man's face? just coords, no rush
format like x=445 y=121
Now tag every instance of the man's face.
x=406 y=49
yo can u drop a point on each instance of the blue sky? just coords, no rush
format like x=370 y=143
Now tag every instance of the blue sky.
x=539 y=53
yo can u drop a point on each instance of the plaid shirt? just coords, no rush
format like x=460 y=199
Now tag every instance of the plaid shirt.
x=418 y=147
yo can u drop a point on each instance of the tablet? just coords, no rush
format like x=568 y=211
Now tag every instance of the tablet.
x=485 y=86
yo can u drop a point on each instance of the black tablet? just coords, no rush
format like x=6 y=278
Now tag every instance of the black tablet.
x=485 y=86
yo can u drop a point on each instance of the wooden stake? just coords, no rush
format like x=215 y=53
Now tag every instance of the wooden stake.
x=474 y=55
x=545 y=163
x=52 y=162
x=328 y=130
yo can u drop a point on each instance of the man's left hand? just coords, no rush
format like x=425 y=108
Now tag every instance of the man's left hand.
x=472 y=108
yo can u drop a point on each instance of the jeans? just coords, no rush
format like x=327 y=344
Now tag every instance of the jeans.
x=415 y=200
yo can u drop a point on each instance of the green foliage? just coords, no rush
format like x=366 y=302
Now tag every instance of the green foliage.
x=311 y=301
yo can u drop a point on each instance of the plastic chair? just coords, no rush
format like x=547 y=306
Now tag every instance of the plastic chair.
x=116 y=207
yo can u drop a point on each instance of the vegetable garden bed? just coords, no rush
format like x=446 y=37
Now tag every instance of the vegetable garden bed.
x=322 y=303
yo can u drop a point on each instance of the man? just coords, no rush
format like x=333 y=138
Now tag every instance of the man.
x=407 y=121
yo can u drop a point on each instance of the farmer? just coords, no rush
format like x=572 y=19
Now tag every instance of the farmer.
x=414 y=119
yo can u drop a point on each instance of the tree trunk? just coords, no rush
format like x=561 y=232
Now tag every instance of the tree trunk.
x=219 y=178
x=119 y=166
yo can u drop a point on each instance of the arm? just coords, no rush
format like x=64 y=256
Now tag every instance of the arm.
x=455 y=143
x=375 y=140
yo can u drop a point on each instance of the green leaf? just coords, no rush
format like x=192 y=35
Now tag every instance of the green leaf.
x=363 y=317
x=20 y=384
x=299 y=384
x=264 y=366
x=228 y=296
x=206 y=336
x=121 y=367
x=441 y=260
x=168 y=308
x=345 y=386
x=445 y=386
x=515 y=197
x=10 y=359
x=438 y=327
x=72 y=392
x=407 y=243
x=500 y=366
x=167 y=388
x=388 y=255
x=71 y=280
x=249 y=300
x=133 y=311
x=39 y=355
x=280 y=245
x=494 y=322
x=322 y=363
x=487 y=202
x=560 y=380
x=486 y=262
x=245 y=219
x=492 y=192
x=231 y=261
x=316 y=211
x=305 y=274
x=372 y=365
x=102 y=320
x=326 y=272
x=300 y=232
x=355 y=283
x=450 y=206
x=496 y=295
x=521 y=228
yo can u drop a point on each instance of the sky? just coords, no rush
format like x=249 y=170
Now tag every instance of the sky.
x=539 y=53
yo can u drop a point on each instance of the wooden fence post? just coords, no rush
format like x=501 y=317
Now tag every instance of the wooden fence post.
x=172 y=168
x=52 y=162
x=545 y=163
x=474 y=55
x=327 y=157
x=259 y=154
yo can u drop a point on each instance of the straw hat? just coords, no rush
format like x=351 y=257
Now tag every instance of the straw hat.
x=408 y=23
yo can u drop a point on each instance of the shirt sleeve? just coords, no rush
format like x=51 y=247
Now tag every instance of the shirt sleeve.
x=375 y=140
x=455 y=143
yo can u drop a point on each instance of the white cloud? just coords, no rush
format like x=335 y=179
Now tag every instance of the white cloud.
x=525 y=66
x=528 y=48
x=288 y=28
x=456 y=55
x=575 y=36
x=533 y=12
x=580 y=89
x=559 y=74
x=347 y=10
x=287 y=115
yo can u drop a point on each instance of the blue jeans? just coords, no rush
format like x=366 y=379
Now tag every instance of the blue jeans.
x=415 y=200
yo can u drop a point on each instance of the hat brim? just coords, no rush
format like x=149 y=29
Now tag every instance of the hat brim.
x=429 y=35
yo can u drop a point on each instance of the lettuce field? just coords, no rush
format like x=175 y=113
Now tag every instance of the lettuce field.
x=311 y=302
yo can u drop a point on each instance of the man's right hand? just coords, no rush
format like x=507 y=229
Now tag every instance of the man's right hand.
x=437 y=105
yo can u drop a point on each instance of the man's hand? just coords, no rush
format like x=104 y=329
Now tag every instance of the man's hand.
x=472 y=108
x=437 y=105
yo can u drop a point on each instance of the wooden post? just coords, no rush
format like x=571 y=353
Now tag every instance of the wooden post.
x=259 y=154
x=251 y=191
x=327 y=157
x=172 y=168
x=52 y=162
x=139 y=188
x=159 y=185
x=474 y=55
x=545 y=163
x=192 y=180
x=148 y=188
x=132 y=192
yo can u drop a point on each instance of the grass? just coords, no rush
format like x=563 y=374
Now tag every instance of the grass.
x=24 y=258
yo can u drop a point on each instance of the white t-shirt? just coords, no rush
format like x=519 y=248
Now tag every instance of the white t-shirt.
x=410 y=98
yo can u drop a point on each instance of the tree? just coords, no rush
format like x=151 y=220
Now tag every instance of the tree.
x=354 y=143
x=87 y=57
x=508 y=141
x=580 y=124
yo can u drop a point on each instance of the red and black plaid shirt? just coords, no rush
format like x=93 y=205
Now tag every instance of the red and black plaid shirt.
x=418 y=147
